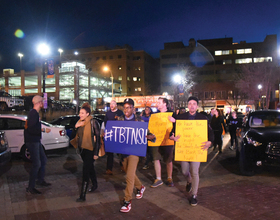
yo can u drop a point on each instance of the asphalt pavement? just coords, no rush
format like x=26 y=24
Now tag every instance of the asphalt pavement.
x=223 y=193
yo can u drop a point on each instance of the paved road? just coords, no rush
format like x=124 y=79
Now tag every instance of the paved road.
x=223 y=192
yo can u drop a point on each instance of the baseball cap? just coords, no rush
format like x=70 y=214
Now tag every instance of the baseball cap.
x=36 y=99
x=128 y=101
x=193 y=98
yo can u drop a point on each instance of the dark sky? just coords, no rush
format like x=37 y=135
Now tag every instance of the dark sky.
x=143 y=24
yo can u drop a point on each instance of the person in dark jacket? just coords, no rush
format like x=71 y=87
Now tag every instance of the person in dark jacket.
x=32 y=139
x=232 y=125
x=191 y=169
x=113 y=114
x=216 y=125
x=87 y=130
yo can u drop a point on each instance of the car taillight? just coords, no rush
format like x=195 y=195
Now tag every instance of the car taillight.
x=62 y=132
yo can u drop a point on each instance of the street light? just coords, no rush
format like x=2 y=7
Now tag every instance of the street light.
x=60 y=52
x=106 y=69
x=44 y=50
x=76 y=53
x=20 y=57
x=259 y=87
x=178 y=80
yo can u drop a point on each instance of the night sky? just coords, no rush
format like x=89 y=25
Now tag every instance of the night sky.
x=143 y=24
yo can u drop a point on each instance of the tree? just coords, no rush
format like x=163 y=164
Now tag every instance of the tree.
x=252 y=75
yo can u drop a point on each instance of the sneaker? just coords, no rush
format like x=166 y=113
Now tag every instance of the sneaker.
x=231 y=147
x=32 y=191
x=189 y=187
x=170 y=182
x=126 y=206
x=157 y=183
x=109 y=172
x=193 y=201
x=140 y=192
x=44 y=183
x=145 y=167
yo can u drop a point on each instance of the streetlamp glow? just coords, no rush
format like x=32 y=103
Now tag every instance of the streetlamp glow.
x=259 y=86
x=76 y=53
x=177 y=78
x=43 y=49
x=60 y=50
x=20 y=57
x=106 y=69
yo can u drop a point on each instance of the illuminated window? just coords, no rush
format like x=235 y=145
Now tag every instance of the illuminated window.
x=31 y=91
x=14 y=81
x=245 y=60
x=222 y=52
x=138 y=89
x=120 y=78
x=128 y=79
x=66 y=80
x=119 y=67
x=50 y=89
x=83 y=80
x=66 y=93
x=134 y=78
x=31 y=81
x=50 y=81
x=138 y=68
x=139 y=79
x=243 y=51
x=227 y=62
x=262 y=59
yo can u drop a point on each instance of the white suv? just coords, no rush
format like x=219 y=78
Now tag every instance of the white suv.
x=13 y=125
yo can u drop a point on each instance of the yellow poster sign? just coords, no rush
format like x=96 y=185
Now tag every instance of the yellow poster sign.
x=192 y=134
x=160 y=126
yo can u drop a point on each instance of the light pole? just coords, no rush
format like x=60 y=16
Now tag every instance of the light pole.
x=106 y=69
x=177 y=79
x=259 y=88
x=20 y=57
x=60 y=52
x=44 y=50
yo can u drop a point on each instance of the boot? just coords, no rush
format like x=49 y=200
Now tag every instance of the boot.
x=220 y=149
x=82 y=197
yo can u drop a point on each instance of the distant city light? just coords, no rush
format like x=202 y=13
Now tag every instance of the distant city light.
x=19 y=33
x=76 y=53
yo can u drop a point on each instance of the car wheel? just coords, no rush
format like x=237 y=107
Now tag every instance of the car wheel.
x=246 y=163
x=25 y=153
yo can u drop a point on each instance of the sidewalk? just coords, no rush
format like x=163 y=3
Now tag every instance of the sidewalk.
x=219 y=196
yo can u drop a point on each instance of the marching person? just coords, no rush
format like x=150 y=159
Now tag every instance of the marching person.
x=232 y=125
x=32 y=139
x=87 y=140
x=191 y=169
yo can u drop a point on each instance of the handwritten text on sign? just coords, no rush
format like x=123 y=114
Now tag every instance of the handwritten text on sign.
x=126 y=137
x=192 y=134
x=160 y=126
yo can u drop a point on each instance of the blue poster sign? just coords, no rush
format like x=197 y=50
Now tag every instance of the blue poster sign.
x=50 y=68
x=126 y=137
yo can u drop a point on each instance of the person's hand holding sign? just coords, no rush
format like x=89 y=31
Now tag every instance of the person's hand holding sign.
x=205 y=145
x=174 y=138
x=170 y=118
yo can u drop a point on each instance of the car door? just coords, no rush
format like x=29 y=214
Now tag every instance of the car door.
x=14 y=132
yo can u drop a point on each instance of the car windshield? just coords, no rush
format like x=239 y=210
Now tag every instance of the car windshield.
x=265 y=120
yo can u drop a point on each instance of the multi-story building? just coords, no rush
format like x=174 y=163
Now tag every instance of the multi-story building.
x=137 y=71
x=214 y=62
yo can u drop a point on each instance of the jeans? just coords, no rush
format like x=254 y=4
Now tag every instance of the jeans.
x=233 y=138
x=39 y=160
x=110 y=161
x=88 y=167
x=130 y=164
x=191 y=171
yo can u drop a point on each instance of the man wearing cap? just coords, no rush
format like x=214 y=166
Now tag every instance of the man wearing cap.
x=32 y=139
x=191 y=169
x=113 y=114
x=130 y=162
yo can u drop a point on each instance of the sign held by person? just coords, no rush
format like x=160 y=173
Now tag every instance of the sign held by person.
x=192 y=134
x=126 y=137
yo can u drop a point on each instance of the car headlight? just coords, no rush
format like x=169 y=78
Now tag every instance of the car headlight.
x=252 y=141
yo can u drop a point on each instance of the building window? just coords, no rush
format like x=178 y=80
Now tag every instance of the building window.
x=89 y=59
x=222 y=52
x=212 y=95
x=35 y=90
x=245 y=60
x=134 y=78
x=206 y=95
x=14 y=81
x=83 y=80
x=119 y=56
x=50 y=89
x=120 y=78
x=66 y=94
x=262 y=59
x=66 y=80
x=31 y=81
x=227 y=62
x=97 y=58
x=15 y=92
x=111 y=57
x=168 y=56
x=128 y=79
x=119 y=67
x=137 y=58
x=138 y=89
x=169 y=65
x=104 y=58
x=127 y=57
x=139 y=79
x=137 y=68
x=243 y=51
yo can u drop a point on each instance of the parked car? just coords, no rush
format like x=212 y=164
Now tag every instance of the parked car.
x=5 y=151
x=261 y=141
x=69 y=122
x=13 y=125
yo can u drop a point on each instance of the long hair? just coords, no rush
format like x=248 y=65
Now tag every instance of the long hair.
x=86 y=106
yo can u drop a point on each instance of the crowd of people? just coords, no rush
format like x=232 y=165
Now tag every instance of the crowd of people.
x=89 y=137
